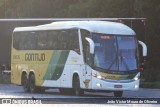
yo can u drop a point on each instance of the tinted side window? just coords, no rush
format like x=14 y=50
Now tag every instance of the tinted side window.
x=46 y=40
x=25 y=40
x=84 y=34
x=62 y=40
x=41 y=40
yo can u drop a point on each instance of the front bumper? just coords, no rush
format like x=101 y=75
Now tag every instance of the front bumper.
x=116 y=85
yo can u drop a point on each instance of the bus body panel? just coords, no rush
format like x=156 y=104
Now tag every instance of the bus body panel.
x=72 y=65
x=29 y=61
x=43 y=70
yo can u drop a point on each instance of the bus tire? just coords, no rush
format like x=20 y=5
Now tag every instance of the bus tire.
x=76 y=87
x=118 y=93
x=25 y=83
x=32 y=86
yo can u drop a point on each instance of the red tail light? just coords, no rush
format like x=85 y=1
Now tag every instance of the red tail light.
x=141 y=68
x=8 y=73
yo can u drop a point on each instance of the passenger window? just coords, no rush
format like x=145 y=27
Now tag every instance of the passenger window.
x=47 y=40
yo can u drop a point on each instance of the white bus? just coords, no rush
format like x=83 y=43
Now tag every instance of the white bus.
x=76 y=56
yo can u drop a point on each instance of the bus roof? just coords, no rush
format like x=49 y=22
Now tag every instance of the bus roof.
x=68 y=19
x=105 y=27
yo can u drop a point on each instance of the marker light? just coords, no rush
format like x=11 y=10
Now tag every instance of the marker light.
x=105 y=37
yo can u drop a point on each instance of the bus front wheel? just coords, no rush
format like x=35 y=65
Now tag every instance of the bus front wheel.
x=118 y=93
x=76 y=86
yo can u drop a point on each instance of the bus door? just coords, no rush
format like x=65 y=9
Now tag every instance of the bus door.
x=88 y=68
x=87 y=59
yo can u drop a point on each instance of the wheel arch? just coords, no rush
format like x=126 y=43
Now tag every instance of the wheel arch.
x=75 y=74
x=30 y=73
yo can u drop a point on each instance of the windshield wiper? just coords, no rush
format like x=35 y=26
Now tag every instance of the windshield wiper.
x=122 y=60
x=115 y=60
x=125 y=63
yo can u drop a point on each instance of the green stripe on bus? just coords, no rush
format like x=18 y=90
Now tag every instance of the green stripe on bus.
x=56 y=66
x=128 y=76
x=117 y=76
x=60 y=65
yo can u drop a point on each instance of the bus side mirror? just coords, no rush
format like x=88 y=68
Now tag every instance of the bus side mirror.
x=90 y=59
x=91 y=45
x=142 y=65
x=144 y=48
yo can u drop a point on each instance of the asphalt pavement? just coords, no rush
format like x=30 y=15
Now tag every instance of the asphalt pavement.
x=53 y=96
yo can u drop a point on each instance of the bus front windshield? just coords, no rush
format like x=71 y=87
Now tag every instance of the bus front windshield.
x=115 y=53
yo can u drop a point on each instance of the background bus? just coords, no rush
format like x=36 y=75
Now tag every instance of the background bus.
x=76 y=56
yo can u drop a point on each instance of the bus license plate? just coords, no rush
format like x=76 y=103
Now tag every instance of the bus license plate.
x=117 y=86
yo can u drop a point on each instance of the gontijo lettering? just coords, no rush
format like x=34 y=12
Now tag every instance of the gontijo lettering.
x=34 y=57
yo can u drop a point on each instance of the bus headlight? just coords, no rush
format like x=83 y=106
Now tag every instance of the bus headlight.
x=136 y=78
x=97 y=76
x=98 y=85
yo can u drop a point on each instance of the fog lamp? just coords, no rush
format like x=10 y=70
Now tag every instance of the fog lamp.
x=98 y=85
